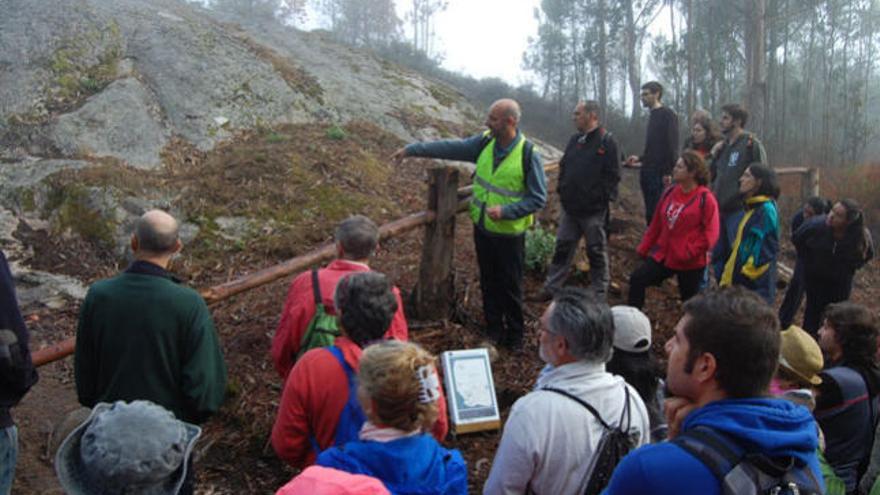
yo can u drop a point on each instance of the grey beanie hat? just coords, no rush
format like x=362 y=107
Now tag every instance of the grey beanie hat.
x=136 y=447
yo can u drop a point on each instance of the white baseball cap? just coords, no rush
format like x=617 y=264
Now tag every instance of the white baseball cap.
x=632 y=329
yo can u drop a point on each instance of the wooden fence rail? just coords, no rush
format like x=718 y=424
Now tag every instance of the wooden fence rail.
x=432 y=295
x=250 y=281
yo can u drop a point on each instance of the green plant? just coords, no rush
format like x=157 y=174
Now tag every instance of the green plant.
x=540 y=245
x=336 y=133
x=275 y=137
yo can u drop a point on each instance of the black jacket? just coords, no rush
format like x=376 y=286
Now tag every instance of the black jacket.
x=661 y=141
x=17 y=373
x=589 y=173
x=827 y=259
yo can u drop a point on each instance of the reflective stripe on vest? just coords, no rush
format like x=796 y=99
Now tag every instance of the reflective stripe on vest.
x=499 y=186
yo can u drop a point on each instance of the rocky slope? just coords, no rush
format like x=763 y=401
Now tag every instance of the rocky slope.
x=109 y=107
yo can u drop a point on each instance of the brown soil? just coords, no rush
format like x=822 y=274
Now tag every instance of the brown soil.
x=234 y=455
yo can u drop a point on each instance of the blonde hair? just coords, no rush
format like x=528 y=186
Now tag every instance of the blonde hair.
x=388 y=376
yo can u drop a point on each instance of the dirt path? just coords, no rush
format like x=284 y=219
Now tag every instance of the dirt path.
x=43 y=407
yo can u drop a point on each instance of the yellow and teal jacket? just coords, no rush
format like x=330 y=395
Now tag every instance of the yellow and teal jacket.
x=751 y=256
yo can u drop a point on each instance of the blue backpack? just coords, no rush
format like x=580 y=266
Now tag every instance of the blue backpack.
x=747 y=473
x=352 y=416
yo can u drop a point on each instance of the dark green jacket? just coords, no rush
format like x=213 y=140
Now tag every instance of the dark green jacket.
x=142 y=335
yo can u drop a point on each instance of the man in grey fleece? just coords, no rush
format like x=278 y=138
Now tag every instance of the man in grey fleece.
x=728 y=160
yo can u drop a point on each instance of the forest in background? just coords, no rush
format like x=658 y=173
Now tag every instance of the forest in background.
x=805 y=69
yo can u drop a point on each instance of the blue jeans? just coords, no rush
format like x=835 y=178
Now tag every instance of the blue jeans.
x=8 y=456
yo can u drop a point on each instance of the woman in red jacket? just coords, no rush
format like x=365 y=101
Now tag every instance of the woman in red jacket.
x=682 y=233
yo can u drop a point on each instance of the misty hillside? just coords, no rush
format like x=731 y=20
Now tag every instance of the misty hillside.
x=249 y=133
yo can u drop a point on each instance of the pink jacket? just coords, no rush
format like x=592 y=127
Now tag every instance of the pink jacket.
x=319 y=480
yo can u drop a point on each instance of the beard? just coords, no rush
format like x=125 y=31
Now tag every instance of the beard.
x=542 y=353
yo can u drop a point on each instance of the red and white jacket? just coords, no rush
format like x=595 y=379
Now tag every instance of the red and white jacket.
x=683 y=230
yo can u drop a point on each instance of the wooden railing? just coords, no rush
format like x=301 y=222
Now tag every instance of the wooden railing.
x=247 y=282
x=809 y=180
x=433 y=293
x=432 y=297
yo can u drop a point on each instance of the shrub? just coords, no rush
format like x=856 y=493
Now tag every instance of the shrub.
x=539 y=249
x=275 y=137
x=336 y=133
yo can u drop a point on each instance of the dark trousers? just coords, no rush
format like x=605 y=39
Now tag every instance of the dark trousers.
x=501 y=260
x=653 y=273
x=571 y=229
x=821 y=293
x=651 y=183
x=729 y=223
x=794 y=296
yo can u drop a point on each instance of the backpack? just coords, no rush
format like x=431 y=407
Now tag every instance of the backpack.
x=352 y=416
x=668 y=191
x=747 y=473
x=615 y=443
x=322 y=330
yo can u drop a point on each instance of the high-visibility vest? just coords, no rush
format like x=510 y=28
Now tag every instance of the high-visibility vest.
x=502 y=186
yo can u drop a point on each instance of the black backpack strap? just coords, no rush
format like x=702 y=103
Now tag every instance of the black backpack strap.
x=715 y=452
x=603 y=140
x=316 y=287
x=665 y=194
x=626 y=412
x=588 y=407
x=721 y=455
x=528 y=149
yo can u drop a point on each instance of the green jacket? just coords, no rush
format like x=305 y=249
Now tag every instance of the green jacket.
x=142 y=335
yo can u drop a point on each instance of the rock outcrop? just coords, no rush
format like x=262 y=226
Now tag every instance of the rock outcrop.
x=106 y=88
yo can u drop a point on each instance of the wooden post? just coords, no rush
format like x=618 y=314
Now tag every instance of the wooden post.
x=432 y=297
x=810 y=184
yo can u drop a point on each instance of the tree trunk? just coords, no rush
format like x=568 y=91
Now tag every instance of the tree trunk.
x=756 y=65
x=676 y=73
x=784 y=92
x=632 y=61
x=691 y=66
x=602 y=58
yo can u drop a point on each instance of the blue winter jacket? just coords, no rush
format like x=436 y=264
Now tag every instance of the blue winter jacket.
x=774 y=427
x=410 y=465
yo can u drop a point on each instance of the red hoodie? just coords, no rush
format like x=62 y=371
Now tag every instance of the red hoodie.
x=683 y=230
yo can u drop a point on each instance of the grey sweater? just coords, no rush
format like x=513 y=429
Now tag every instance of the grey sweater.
x=729 y=164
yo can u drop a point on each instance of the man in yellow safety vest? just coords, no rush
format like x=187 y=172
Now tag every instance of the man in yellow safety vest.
x=509 y=187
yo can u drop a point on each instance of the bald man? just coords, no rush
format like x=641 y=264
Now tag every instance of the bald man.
x=143 y=335
x=509 y=187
